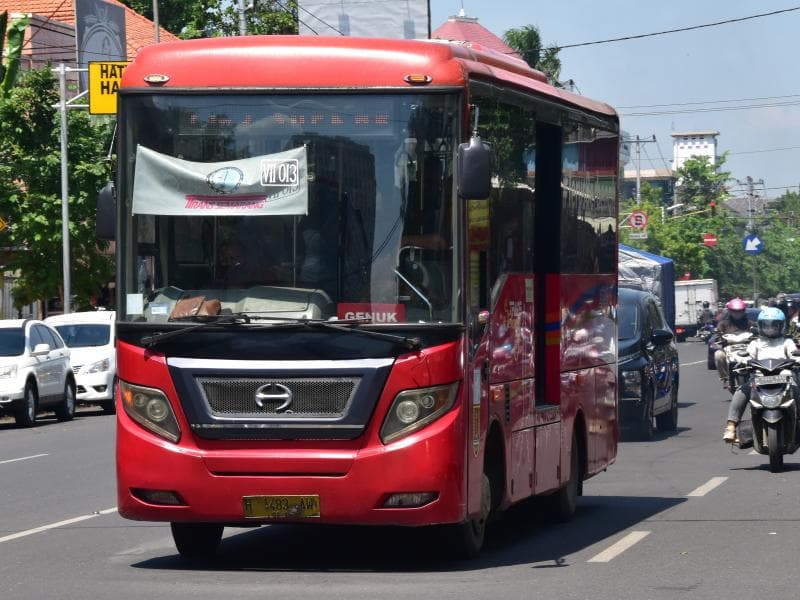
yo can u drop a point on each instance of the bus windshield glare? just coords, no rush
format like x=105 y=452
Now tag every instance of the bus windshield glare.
x=287 y=206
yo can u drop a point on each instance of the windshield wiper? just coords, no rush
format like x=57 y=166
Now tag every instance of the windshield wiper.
x=232 y=319
x=351 y=325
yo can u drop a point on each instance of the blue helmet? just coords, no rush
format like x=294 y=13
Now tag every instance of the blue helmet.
x=771 y=322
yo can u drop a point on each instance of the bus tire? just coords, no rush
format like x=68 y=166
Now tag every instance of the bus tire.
x=196 y=540
x=469 y=535
x=564 y=502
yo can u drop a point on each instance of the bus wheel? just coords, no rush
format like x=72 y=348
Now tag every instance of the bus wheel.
x=196 y=540
x=564 y=503
x=469 y=535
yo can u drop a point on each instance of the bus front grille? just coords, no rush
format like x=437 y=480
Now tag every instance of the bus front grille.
x=278 y=398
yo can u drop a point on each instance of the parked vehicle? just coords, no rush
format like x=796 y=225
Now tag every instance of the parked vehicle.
x=90 y=337
x=35 y=372
x=773 y=408
x=689 y=297
x=648 y=365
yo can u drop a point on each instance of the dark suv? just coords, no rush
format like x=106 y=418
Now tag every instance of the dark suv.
x=648 y=365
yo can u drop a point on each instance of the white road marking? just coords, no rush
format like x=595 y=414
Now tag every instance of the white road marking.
x=707 y=487
x=615 y=550
x=21 y=534
x=697 y=362
x=10 y=460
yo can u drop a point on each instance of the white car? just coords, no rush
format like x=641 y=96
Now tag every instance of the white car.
x=91 y=338
x=35 y=371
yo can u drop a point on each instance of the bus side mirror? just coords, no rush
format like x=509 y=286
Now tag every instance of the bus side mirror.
x=474 y=176
x=106 y=220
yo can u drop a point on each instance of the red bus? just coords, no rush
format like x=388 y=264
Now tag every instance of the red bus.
x=359 y=281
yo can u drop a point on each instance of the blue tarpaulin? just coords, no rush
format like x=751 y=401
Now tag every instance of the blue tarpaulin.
x=642 y=270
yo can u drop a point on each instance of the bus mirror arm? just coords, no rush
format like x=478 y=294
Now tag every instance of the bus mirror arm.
x=417 y=292
x=106 y=221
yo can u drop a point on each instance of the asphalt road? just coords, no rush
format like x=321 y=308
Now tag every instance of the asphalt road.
x=682 y=516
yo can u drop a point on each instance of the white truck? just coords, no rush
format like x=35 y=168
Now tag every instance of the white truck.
x=689 y=297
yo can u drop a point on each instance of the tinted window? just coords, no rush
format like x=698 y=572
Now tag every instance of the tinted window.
x=84 y=336
x=629 y=321
x=12 y=341
x=49 y=337
x=36 y=338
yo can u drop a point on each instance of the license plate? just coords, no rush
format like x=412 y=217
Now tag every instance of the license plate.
x=281 y=507
x=771 y=379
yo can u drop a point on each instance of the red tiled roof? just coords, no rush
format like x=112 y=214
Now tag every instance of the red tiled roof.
x=467 y=29
x=138 y=30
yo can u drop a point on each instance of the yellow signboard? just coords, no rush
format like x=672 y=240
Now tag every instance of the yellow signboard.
x=104 y=78
x=3 y=224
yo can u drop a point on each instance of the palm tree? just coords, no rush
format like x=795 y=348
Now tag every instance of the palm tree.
x=528 y=42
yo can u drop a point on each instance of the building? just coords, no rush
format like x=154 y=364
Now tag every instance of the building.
x=460 y=27
x=662 y=179
x=51 y=33
x=686 y=144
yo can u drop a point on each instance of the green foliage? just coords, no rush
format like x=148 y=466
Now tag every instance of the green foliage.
x=30 y=191
x=680 y=236
x=528 y=42
x=16 y=37
x=212 y=18
x=700 y=182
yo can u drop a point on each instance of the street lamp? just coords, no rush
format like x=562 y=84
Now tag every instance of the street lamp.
x=669 y=209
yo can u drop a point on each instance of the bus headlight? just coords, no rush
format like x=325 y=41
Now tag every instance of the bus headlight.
x=150 y=408
x=411 y=410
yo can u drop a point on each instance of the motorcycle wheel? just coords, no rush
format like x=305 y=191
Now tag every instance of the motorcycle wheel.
x=774 y=446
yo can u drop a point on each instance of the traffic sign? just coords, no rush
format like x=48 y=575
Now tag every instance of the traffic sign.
x=638 y=219
x=752 y=244
x=709 y=239
x=104 y=79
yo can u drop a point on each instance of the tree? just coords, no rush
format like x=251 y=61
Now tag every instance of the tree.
x=209 y=18
x=30 y=191
x=700 y=182
x=528 y=42
x=16 y=36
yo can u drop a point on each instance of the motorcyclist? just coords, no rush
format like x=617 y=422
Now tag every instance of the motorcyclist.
x=787 y=306
x=733 y=320
x=771 y=343
x=705 y=315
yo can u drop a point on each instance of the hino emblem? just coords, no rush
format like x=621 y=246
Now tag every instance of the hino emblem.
x=274 y=393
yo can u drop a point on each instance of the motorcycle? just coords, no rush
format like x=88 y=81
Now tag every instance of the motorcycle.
x=704 y=331
x=735 y=347
x=773 y=408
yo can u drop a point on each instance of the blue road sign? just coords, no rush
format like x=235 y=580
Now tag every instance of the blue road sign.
x=752 y=244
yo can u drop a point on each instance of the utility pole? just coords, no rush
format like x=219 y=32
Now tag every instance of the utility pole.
x=155 y=21
x=241 y=8
x=639 y=141
x=751 y=197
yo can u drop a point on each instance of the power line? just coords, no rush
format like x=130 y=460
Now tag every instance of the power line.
x=709 y=102
x=691 y=28
x=707 y=110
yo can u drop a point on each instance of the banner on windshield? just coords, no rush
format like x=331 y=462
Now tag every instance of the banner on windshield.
x=272 y=184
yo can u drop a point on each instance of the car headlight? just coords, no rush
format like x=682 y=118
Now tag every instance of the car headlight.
x=632 y=379
x=8 y=372
x=150 y=408
x=97 y=367
x=411 y=410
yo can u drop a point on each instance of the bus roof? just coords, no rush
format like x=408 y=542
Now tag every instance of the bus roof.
x=312 y=62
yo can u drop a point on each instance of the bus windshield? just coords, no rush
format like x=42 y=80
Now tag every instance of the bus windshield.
x=287 y=206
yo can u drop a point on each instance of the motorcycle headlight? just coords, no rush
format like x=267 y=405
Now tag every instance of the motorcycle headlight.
x=98 y=367
x=150 y=408
x=411 y=410
x=771 y=400
x=8 y=372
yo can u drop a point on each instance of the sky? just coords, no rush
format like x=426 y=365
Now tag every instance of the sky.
x=752 y=62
